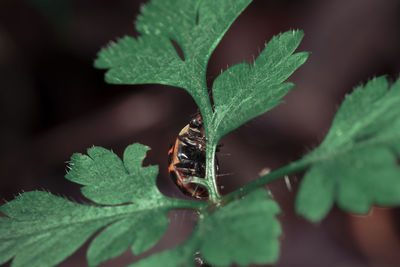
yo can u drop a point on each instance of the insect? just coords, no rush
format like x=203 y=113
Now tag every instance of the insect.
x=187 y=158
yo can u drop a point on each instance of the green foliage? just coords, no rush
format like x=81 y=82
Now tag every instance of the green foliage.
x=42 y=229
x=220 y=235
x=133 y=214
x=240 y=93
x=109 y=181
x=356 y=164
x=243 y=92
x=196 y=26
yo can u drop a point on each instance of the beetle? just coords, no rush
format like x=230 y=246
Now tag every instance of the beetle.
x=187 y=158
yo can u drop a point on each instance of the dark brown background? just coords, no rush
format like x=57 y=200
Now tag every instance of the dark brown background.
x=53 y=103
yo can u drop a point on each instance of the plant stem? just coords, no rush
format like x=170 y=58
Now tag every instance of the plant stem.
x=291 y=168
x=203 y=100
x=185 y=204
x=207 y=113
x=211 y=178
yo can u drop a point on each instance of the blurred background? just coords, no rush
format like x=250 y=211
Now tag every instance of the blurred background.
x=54 y=103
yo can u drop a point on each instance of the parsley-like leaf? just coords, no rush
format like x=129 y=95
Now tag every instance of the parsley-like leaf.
x=196 y=26
x=115 y=182
x=240 y=93
x=42 y=229
x=245 y=91
x=244 y=231
x=356 y=165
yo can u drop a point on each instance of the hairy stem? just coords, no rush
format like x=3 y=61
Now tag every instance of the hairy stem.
x=291 y=168
x=211 y=177
x=185 y=204
x=207 y=113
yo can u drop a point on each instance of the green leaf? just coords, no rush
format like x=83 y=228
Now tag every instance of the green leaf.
x=115 y=182
x=243 y=231
x=196 y=26
x=356 y=165
x=42 y=229
x=245 y=91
